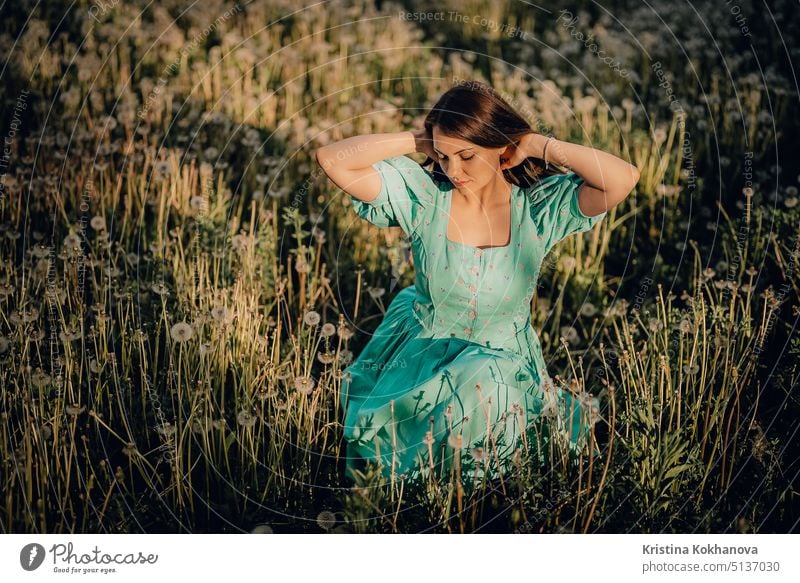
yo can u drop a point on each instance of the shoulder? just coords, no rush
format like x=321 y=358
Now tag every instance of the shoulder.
x=402 y=176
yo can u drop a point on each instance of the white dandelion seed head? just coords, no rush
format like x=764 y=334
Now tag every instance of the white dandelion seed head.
x=311 y=318
x=181 y=332
x=326 y=520
x=98 y=223
x=304 y=384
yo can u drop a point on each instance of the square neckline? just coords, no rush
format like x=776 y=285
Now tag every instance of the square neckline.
x=514 y=188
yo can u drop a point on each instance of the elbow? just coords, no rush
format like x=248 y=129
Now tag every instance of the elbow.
x=322 y=160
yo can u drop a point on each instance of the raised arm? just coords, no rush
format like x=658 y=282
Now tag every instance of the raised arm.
x=348 y=163
x=608 y=179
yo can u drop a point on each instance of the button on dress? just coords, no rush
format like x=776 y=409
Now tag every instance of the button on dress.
x=455 y=365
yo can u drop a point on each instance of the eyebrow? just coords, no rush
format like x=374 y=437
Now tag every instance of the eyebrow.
x=461 y=150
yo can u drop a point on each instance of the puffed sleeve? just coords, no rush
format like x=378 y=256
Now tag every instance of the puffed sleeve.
x=407 y=189
x=555 y=209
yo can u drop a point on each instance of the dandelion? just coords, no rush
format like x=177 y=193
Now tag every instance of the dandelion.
x=477 y=454
x=588 y=309
x=456 y=441
x=246 y=419
x=550 y=411
x=345 y=332
x=326 y=357
x=40 y=379
x=130 y=450
x=327 y=330
x=684 y=326
x=74 y=410
x=375 y=292
x=568 y=263
x=162 y=169
x=346 y=356
x=159 y=288
x=6 y=289
x=262 y=529
x=44 y=432
x=4 y=344
x=219 y=424
x=181 y=332
x=72 y=241
x=691 y=369
x=221 y=314
x=302 y=266
x=311 y=318
x=326 y=519
x=790 y=202
x=304 y=384
x=166 y=429
x=98 y=223
x=199 y=427
x=570 y=334
x=654 y=324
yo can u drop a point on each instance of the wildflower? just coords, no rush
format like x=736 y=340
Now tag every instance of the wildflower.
x=181 y=332
x=98 y=223
x=654 y=324
x=159 y=288
x=326 y=357
x=550 y=411
x=327 y=330
x=346 y=356
x=74 y=410
x=456 y=441
x=221 y=314
x=311 y=318
x=304 y=384
x=345 y=332
x=166 y=429
x=302 y=266
x=570 y=334
x=326 y=519
x=40 y=378
x=199 y=427
x=72 y=241
x=162 y=169
x=477 y=454
x=262 y=529
x=44 y=432
x=246 y=419
x=588 y=309
x=684 y=326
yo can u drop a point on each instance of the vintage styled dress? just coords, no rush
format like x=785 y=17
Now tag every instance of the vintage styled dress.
x=455 y=361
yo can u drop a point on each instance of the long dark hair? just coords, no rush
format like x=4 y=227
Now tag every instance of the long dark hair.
x=473 y=111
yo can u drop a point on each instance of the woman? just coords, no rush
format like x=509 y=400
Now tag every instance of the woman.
x=455 y=366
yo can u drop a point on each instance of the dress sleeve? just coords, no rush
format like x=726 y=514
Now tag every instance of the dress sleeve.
x=406 y=190
x=556 y=211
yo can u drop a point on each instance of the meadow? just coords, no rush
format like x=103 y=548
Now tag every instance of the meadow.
x=181 y=285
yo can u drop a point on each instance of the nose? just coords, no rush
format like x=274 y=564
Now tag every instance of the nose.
x=454 y=171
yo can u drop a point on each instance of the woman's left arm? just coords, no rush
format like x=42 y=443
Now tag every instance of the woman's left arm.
x=608 y=180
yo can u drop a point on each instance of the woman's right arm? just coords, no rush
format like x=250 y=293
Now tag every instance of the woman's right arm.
x=348 y=163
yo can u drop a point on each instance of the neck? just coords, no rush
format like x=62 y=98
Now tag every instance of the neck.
x=494 y=193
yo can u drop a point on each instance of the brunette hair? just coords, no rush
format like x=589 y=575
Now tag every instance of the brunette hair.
x=473 y=111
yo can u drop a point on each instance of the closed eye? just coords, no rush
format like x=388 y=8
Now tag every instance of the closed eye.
x=443 y=157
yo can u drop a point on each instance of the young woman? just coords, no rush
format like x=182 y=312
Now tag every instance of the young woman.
x=455 y=366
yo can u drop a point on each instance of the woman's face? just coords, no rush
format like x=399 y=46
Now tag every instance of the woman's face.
x=466 y=164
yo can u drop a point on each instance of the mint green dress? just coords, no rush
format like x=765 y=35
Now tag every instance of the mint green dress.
x=455 y=366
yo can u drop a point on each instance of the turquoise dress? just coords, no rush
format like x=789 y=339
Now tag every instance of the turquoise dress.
x=455 y=367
